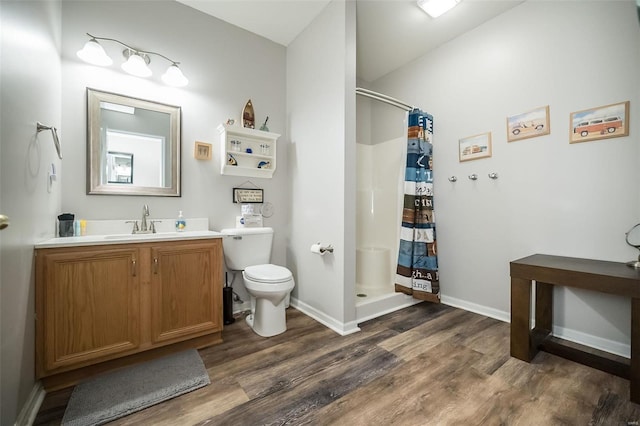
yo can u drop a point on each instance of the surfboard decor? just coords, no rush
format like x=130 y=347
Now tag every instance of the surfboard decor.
x=248 y=117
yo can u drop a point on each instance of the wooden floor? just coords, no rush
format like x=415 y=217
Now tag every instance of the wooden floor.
x=424 y=365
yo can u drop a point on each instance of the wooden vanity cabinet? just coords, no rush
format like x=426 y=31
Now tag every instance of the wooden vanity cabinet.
x=102 y=307
x=185 y=290
x=89 y=305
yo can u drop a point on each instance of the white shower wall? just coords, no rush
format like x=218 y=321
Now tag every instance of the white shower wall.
x=379 y=200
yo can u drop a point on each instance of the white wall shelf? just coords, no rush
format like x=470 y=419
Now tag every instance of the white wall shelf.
x=260 y=161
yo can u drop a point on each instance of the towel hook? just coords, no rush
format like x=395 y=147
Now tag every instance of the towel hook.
x=54 y=132
x=493 y=175
x=473 y=177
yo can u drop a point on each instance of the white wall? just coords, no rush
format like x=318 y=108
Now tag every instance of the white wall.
x=30 y=81
x=226 y=66
x=320 y=104
x=551 y=197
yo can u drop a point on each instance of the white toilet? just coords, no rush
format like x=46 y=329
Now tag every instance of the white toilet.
x=249 y=250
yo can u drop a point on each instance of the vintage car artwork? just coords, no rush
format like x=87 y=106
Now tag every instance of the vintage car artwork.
x=599 y=126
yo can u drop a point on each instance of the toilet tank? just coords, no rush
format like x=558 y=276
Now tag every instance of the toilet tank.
x=246 y=247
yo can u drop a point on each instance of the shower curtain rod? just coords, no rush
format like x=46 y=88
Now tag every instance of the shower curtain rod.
x=383 y=98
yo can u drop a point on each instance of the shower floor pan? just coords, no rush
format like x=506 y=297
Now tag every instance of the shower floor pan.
x=372 y=304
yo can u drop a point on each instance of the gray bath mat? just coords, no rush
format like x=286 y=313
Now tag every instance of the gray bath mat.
x=120 y=393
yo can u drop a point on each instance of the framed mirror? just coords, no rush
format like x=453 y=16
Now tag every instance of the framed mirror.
x=121 y=129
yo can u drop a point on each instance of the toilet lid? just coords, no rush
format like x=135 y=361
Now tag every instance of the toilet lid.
x=268 y=273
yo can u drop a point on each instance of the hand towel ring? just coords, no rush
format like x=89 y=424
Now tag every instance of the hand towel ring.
x=54 y=132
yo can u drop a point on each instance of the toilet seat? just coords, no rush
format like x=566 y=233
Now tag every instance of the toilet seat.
x=268 y=274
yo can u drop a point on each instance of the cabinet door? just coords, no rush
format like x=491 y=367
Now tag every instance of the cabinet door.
x=186 y=290
x=87 y=305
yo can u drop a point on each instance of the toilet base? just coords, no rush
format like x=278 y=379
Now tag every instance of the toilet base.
x=268 y=320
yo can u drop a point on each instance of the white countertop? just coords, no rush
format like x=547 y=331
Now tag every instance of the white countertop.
x=95 y=240
x=101 y=232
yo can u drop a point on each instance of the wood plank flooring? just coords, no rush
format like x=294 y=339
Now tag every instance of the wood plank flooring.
x=424 y=365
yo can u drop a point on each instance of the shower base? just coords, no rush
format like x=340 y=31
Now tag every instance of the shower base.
x=373 y=303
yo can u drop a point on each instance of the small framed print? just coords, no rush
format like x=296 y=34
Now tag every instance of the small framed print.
x=202 y=151
x=609 y=121
x=475 y=147
x=245 y=195
x=528 y=124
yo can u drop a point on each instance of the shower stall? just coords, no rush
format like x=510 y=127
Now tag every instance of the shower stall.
x=381 y=137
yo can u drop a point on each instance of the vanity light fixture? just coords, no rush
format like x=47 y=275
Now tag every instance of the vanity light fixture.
x=136 y=64
x=435 y=8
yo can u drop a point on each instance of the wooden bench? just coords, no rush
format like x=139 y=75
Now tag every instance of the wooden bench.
x=595 y=275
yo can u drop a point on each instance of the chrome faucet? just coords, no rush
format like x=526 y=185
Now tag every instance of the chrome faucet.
x=146 y=226
x=143 y=222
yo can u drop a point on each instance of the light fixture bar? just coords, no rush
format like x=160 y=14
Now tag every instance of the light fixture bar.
x=137 y=60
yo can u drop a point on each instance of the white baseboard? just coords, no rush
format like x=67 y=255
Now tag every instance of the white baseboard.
x=241 y=307
x=475 y=308
x=31 y=407
x=611 y=346
x=341 y=328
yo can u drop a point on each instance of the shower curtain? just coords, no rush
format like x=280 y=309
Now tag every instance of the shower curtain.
x=417 y=271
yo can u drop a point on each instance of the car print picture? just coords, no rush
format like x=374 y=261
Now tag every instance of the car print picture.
x=609 y=121
x=528 y=124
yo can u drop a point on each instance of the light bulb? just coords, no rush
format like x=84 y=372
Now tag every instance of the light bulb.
x=136 y=65
x=93 y=53
x=174 y=77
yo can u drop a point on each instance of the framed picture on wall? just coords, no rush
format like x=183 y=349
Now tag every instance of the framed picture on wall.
x=202 y=151
x=528 y=124
x=609 y=121
x=475 y=147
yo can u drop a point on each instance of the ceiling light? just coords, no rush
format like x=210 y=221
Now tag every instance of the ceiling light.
x=137 y=61
x=435 y=8
x=94 y=54
x=174 y=77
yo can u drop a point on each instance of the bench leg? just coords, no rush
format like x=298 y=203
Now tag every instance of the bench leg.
x=634 y=379
x=544 y=306
x=521 y=346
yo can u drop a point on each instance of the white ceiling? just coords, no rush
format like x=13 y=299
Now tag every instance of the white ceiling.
x=390 y=33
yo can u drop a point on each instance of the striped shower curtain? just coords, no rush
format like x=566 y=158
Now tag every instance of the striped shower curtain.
x=417 y=272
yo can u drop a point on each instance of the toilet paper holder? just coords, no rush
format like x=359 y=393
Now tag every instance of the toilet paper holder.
x=328 y=248
x=320 y=249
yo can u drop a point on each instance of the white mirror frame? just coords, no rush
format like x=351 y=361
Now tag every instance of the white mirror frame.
x=95 y=185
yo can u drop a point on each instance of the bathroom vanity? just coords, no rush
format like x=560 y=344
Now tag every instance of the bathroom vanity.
x=102 y=302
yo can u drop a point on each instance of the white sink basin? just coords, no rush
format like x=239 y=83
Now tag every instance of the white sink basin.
x=161 y=236
x=144 y=236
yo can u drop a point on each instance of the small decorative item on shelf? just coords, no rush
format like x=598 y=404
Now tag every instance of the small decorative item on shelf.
x=264 y=149
x=264 y=125
x=249 y=151
x=248 y=117
x=235 y=145
x=264 y=165
x=232 y=161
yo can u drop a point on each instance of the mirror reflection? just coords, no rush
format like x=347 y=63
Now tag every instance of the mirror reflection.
x=123 y=128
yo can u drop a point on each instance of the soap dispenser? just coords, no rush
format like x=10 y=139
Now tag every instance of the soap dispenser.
x=180 y=222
